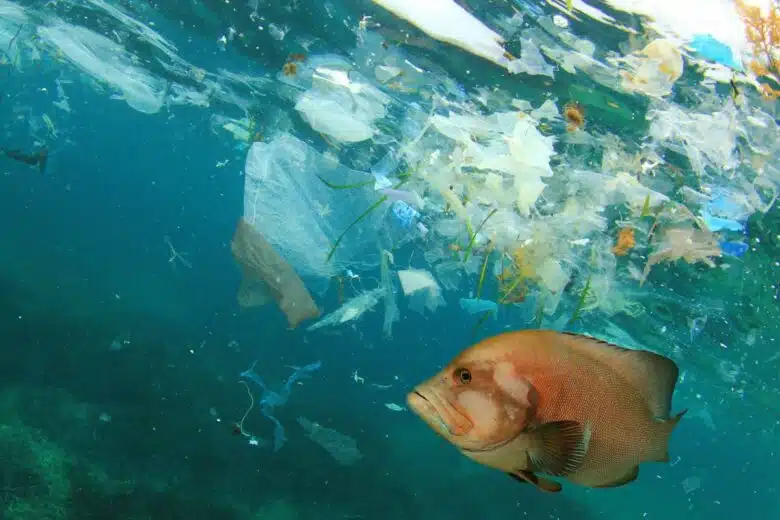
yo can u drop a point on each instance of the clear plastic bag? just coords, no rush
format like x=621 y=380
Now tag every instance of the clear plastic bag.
x=303 y=202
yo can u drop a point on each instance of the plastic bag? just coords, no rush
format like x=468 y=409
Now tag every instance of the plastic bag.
x=295 y=196
x=267 y=276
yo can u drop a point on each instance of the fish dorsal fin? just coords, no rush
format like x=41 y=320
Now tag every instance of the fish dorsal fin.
x=653 y=375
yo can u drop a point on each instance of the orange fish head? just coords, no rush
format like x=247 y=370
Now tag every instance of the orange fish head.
x=477 y=405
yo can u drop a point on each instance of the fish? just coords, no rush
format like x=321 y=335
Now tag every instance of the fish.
x=538 y=403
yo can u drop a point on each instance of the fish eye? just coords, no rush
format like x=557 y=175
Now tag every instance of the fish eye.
x=463 y=376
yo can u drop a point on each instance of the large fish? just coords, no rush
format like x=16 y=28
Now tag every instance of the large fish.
x=560 y=404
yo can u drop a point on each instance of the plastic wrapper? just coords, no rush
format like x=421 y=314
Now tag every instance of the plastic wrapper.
x=341 y=447
x=266 y=276
x=287 y=177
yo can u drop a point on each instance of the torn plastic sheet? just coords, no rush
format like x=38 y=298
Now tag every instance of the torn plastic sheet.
x=267 y=275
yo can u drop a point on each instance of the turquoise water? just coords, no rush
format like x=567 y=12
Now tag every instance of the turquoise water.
x=121 y=360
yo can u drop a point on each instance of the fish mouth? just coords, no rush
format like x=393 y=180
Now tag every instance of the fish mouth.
x=440 y=413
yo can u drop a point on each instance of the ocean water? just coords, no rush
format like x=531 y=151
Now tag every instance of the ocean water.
x=133 y=385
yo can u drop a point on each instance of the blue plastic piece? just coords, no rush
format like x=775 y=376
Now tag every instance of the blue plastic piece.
x=734 y=248
x=724 y=206
x=404 y=214
x=269 y=399
x=714 y=50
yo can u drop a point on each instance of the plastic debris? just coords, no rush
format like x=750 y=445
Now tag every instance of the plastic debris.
x=736 y=249
x=478 y=306
x=108 y=62
x=391 y=307
x=691 y=245
x=653 y=70
x=267 y=276
x=341 y=105
x=287 y=177
x=270 y=400
x=448 y=22
x=709 y=48
x=531 y=61
x=352 y=309
x=341 y=447
x=422 y=289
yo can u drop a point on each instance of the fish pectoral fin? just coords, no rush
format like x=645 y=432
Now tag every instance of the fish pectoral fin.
x=622 y=481
x=561 y=447
x=522 y=476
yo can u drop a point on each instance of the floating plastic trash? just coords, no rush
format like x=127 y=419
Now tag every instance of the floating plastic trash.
x=287 y=177
x=733 y=248
x=446 y=21
x=267 y=276
x=714 y=50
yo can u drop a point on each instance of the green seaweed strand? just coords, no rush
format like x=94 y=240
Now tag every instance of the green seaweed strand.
x=581 y=302
x=511 y=289
x=353 y=224
x=482 y=273
x=361 y=217
x=539 y=311
x=474 y=235
x=344 y=186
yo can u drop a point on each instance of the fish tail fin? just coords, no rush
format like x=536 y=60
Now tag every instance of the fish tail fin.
x=664 y=427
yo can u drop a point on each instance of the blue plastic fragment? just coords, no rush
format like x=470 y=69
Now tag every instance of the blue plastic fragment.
x=404 y=214
x=725 y=207
x=720 y=224
x=733 y=248
x=714 y=50
x=269 y=400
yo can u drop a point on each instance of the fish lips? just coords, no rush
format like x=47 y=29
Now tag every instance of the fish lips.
x=441 y=414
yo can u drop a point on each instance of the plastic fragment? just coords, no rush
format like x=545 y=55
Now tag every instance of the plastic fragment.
x=267 y=275
x=341 y=447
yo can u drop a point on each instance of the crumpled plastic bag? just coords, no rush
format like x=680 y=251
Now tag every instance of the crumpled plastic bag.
x=267 y=276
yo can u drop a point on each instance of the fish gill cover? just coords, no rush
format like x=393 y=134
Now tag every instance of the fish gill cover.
x=343 y=195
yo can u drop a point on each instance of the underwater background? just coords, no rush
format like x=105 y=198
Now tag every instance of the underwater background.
x=123 y=347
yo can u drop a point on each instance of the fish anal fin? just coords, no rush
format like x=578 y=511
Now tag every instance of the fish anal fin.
x=653 y=375
x=623 y=480
x=541 y=483
x=559 y=447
